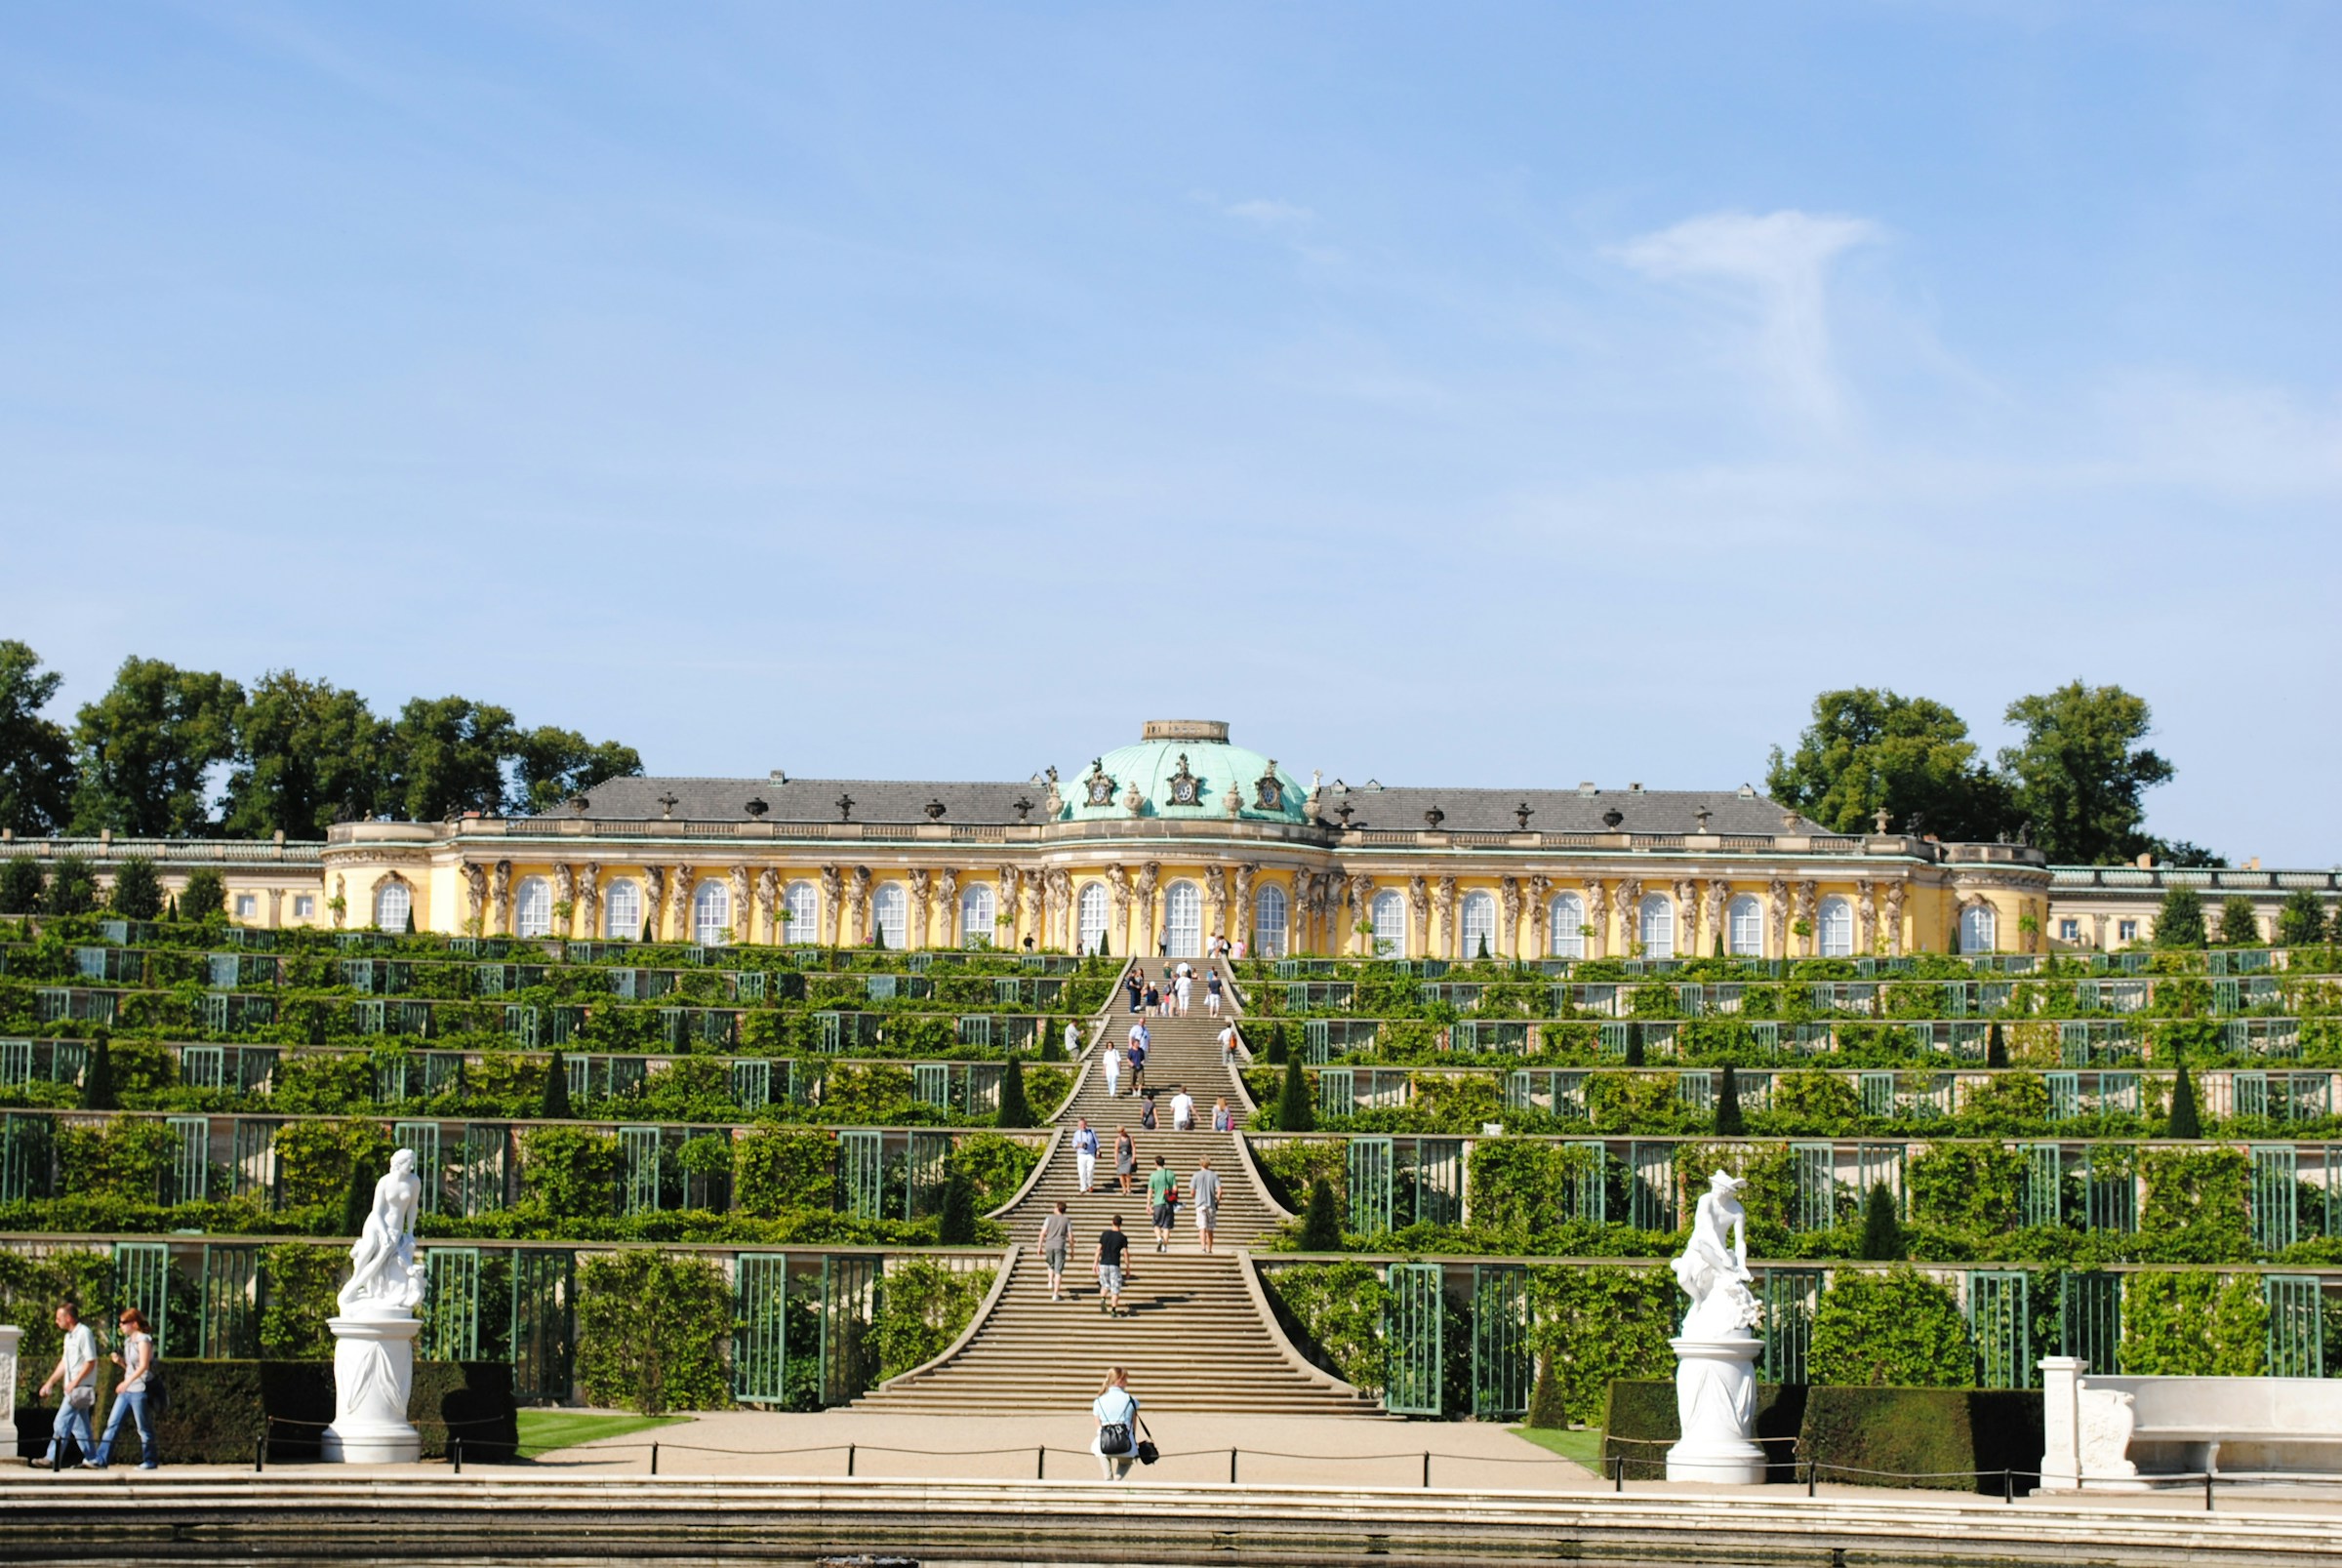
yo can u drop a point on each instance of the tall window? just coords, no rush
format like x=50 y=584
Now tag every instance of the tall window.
x=1271 y=910
x=1389 y=913
x=1837 y=928
x=621 y=912
x=804 y=907
x=976 y=916
x=533 y=908
x=1478 y=926
x=1566 y=927
x=890 y=915
x=392 y=906
x=1746 y=920
x=711 y=913
x=1979 y=929
x=1655 y=926
x=1182 y=919
x=1089 y=915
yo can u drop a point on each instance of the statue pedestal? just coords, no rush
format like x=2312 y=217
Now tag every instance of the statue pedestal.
x=373 y=1374
x=1716 y=1402
x=11 y=1336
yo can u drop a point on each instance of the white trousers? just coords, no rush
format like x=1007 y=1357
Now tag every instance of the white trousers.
x=1085 y=1166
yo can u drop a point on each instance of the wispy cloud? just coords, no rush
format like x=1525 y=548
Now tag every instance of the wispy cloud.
x=1780 y=264
x=1269 y=213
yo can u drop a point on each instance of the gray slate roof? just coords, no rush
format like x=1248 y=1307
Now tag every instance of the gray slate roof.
x=985 y=802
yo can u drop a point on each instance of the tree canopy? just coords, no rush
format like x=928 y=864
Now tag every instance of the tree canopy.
x=2074 y=785
x=36 y=755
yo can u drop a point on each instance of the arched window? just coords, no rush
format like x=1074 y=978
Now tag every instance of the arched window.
x=1566 y=927
x=1979 y=929
x=393 y=905
x=804 y=907
x=1182 y=919
x=621 y=912
x=1270 y=912
x=976 y=916
x=1837 y=928
x=1746 y=920
x=1389 y=916
x=1655 y=926
x=890 y=915
x=712 y=915
x=1089 y=917
x=533 y=908
x=1478 y=926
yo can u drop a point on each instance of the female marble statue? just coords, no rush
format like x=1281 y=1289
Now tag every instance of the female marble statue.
x=384 y=1278
x=1714 y=1270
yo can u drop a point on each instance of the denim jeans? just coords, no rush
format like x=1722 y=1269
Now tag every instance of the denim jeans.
x=136 y=1404
x=74 y=1424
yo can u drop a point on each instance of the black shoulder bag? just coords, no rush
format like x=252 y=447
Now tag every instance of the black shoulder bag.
x=1148 y=1451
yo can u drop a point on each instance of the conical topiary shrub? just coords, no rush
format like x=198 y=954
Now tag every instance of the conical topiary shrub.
x=1544 y=1398
x=1730 y=1123
x=2184 y=1120
x=1321 y=1222
x=1995 y=1049
x=98 y=1076
x=1015 y=1111
x=1295 y=1111
x=1881 y=1228
x=556 y=1104
x=956 y=1224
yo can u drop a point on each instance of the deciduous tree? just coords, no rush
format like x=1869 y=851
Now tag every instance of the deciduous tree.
x=1870 y=749
x=555 y=764
x=2080 y=773
x=308 y=754
x=2179 y=923
x=146 y=749
x=445 y=757
x=36 y=755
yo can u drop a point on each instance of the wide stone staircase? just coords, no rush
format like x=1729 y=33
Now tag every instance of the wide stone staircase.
x=1199 y=1336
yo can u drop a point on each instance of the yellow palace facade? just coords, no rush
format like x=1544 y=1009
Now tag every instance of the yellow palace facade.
x=1182 y=838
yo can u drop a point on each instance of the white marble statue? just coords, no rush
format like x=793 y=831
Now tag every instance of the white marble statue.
x=1715 y=1355
x=384 y=1278
x=1714 y=1270
x=373 y=1337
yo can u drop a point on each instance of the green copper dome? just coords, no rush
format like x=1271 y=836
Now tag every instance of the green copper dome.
x=1183 y=768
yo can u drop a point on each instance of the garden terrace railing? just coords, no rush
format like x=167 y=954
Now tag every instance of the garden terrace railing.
x=1924 y=967
x=798 y=1325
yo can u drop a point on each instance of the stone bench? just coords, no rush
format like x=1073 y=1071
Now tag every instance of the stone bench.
x=2115 y=1434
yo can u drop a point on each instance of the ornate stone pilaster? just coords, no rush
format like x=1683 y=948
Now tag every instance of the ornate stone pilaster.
x=1030 y=894
x=590 y=898
x=500 y=892
x=744 y=904
x=565 y=892
x=1443 y=899
x=1358 y=899
x=947 y=894
x=682 y=883
x=475 y=900
x=1215 y=903
x=1629 y=917
x=1419 y=916
x=1776 y=918
x=1687 y=919
x=1895 y=893
x=923 y=891
x=1538 y=890
x=1508 y=897
x=1866 y=917
x=1598 y=918
x=1808 y=908
x=654 y=898
x=768 y=900
x=1246 y=874
x=833 y=911
x=340 y=905
x=1151 y=877
x=1058 y=905
x=1711 y=909
x=858 y=906
x=1117 y=889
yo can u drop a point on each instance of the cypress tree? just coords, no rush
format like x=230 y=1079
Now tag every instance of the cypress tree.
x=1015 y=1111
x=358 y=1201
x=2179 y=923
x=1881 y=1228
x=555 y=1105
x=1633 y=1045
x=956 y=1224
x=646 y=929
x=173 y=916
x=20 y=886
x=1483 y=946
x=1275 y=1048
x=97 y=1077
x=1295 y=1113
x=1728 y=1121
x=2184 y=1120
x=1995 y=1049
x=2239 y=926
x=1320 y=1225
x=1102 y=948
x=410 y=919
x=1545 y=1399
x=138 y=891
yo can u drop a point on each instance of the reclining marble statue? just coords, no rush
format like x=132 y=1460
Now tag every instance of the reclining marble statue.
x=1715 y=1355
x=373 y=1337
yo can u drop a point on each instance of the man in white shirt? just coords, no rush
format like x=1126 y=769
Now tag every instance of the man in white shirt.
x=1228 y=1040
x=76 y=1375
x=1183 y=1110
x=1085 y=1154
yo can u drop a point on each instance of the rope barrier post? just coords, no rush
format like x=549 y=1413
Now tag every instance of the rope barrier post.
x=1618 y=1472
x=260 y=1453
x=1810 y=1468
x=2207 y=1491
x=455 y=1452
x=1427 y=1469
x=2008 y=1486
x=654 y=1459
x=849 y=1459
x=1232 y=1467
x=1040 y=1463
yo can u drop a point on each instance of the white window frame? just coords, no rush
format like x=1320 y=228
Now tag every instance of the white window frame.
x=890 y=914
x=2069 y=929
x=1655 y=926
x=533 y=908
x=978 y=908
x=1182 y=900
x=1388 y=912
x=304 y=906
x=1271 y=922
x=1834 y=927
x=1092 y=911
x=1743 y=926
x=393 y=903
x=1566 y=927
x=623 y=894
x=711 y=914
x=2127 y=931
x=804 y=901
x=1979 y=929
x=248 y=905
x=1476 y=917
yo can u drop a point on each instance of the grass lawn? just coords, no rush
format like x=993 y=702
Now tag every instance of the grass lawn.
x=1584 y=1447
x=543 y=1430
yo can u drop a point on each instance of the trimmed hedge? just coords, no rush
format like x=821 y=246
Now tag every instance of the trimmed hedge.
x=1938 y=1439
x=219 y=1410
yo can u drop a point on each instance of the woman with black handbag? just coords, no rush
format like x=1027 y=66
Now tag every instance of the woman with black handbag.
x=1117 y=1410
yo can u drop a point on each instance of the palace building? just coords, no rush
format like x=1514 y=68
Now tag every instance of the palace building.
x=1163 y=845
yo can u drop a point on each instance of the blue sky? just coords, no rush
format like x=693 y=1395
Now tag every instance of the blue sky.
x=1448 y=394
